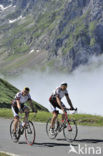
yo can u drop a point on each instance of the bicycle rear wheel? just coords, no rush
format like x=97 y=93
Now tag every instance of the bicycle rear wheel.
x=30 y=133
x=12 y=131
x=48 y=124
x=70 y=131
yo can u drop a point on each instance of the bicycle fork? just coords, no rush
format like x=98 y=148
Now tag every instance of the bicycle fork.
x=68 y=126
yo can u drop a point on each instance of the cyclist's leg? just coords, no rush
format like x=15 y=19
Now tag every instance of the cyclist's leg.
x=16 y=117
x=56 y=105
x=63 y=115
x=55 y=112
x=55 y=115
x=26 y=111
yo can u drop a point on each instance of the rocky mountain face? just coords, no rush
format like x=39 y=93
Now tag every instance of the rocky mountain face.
x=71 y=31
x=5 y=2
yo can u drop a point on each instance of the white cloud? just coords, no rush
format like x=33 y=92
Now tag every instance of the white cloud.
x=85 y=87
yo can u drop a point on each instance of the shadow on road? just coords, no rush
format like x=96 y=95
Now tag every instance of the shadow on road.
x=61 y=139
x=53 y=144
x=89 y=140
x=22 y=142
x=48 y=144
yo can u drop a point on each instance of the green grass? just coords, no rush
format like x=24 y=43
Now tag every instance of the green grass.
x=92 y=41
x=87 y=119
x=21 y=32
x=69 y=45
x=41 y=25
x=22 y=28
x=92 y=27
x=13 y=57
x=81 y=30
x=42 y=116
x=18 y=35
x=3 y=154
x=7 y=94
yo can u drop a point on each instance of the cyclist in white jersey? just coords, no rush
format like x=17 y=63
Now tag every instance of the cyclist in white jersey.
x=18 y=106
x=55 y=100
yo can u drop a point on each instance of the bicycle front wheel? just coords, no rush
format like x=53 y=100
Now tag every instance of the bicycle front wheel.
x=30 y=133
x=70 y=131
x=48 y=124
x=12 y=131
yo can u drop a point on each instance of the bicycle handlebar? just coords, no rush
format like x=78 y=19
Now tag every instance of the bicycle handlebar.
x=22 y=116
x=69 y=109
x=29 y=113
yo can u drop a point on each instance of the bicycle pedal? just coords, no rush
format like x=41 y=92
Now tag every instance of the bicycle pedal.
x=65 y=126
x=26 y=127
x=69 y=130
x=21 y=133
x=29 y=132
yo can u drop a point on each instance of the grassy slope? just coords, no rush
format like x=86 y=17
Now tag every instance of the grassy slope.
x=3 y=154
x=7 y=93
x=81 y=119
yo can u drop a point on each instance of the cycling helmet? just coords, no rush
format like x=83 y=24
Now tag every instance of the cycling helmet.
x=26 y=89
x=64 y=84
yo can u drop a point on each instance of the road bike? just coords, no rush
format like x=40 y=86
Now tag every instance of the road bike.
x=68 y=126
x=28 y=129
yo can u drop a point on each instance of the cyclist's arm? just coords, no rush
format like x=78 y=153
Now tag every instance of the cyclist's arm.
x=69 y=101
x=18 y=104
x=59 y=103
x=31 y=105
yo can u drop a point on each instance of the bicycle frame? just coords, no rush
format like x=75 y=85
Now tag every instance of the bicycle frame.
x=66 y=117
x=23 y=117
x=65 y=126
x=23 y=128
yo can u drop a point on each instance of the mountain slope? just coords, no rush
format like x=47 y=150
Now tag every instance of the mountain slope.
x=7 y=94
x=69 y=31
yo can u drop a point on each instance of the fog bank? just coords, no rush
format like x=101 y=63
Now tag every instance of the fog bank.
x=85 y=86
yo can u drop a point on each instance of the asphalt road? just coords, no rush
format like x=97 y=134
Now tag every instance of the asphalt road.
x=89 y=142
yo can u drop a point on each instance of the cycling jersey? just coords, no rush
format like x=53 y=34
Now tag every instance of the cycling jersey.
x=59 y=92
x=15 y=109
x=19 y=96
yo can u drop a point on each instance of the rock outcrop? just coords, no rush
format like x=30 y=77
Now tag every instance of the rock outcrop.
x=70 y=30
